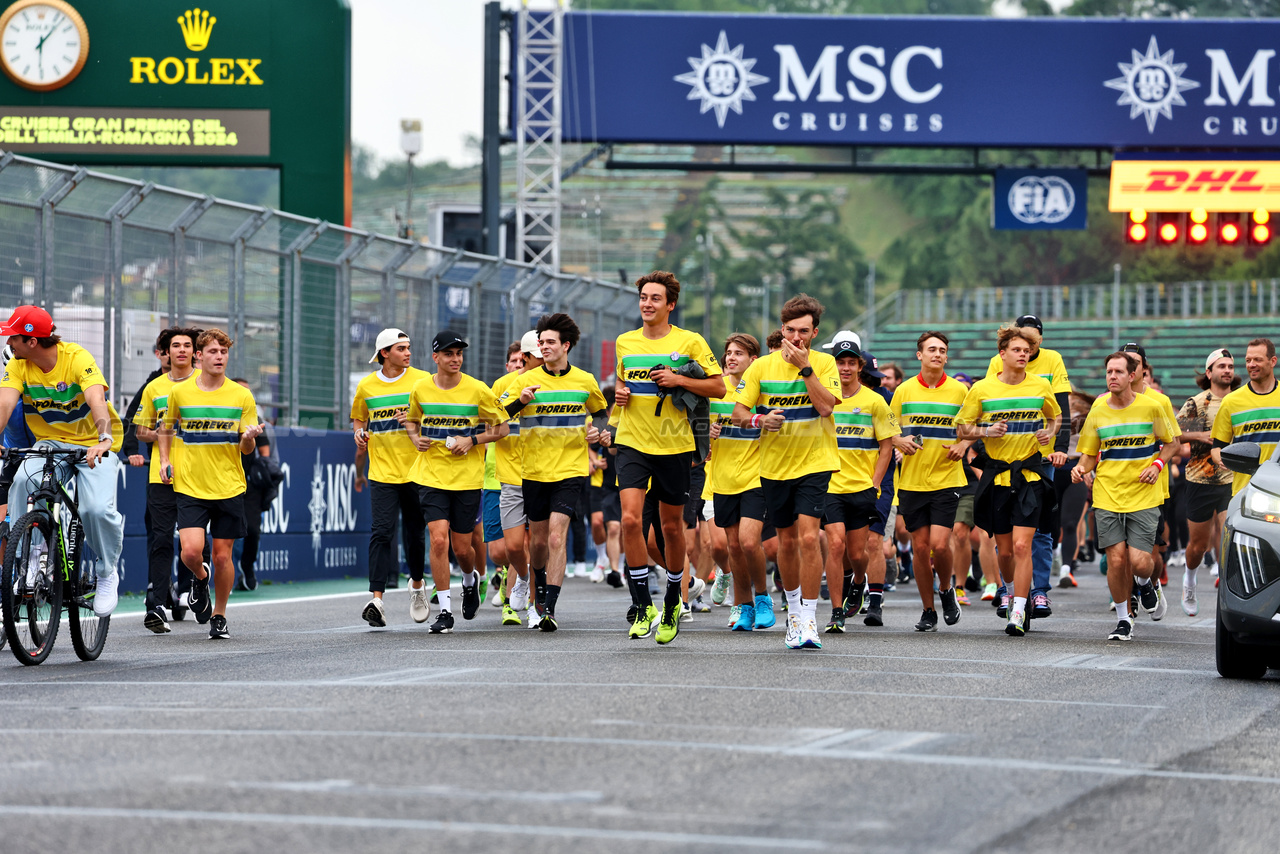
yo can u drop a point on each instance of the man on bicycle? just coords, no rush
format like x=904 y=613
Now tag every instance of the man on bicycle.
x=64 y=396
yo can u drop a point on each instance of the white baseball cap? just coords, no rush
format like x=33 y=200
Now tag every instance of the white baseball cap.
x=1220 y=353
x=387 y=338
x=843 y=335
x=529 y=344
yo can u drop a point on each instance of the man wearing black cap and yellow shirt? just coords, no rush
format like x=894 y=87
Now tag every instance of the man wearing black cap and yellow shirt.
x=450 y=414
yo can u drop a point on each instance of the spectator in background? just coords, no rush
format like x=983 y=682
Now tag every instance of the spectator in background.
x=132 y=448
x=258 y=493
x=892 y=377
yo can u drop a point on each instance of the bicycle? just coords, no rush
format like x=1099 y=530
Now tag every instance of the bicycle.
x=46 y=569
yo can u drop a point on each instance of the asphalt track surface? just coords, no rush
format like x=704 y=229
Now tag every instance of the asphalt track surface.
x=308 y=731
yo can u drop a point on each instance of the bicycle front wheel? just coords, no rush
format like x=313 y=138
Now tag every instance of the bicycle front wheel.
x=88 y=630
x=31 y=589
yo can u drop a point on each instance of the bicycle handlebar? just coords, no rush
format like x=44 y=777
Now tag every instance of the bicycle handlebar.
x=78 y=454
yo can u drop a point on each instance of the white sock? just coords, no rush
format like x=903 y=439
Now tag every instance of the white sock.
x=808 y=609
x=1189 y=579
x=443 y=596
x=793 y=601
x=1142 y=582
x=1020 y=603
x=469 y=579
x=1122 y=610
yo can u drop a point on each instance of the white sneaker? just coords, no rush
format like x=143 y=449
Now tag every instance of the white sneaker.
x=520 y=594
x=580 y=569
x=419 y=604
x=809 y=635
x=597 y=574
x=1189 y=605
x=696 y=587
x=531 y=617
x=106 y=596
x=1162 y=602
x=375 y=613
x=795 y=634
x=686 y=613
x=720 y=590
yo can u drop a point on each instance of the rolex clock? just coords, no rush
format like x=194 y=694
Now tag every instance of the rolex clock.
x=43 y=44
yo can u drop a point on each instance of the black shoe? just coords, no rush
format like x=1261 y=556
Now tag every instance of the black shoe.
x=393 y=582
x=835 y=626
x=177 y=611
x=249 y=578
x=950 y=608
x=1122 y=632
x=853 y=602
x=614 y=578
x=1040 y=607
x=201 y=604
x=972 y=584
x=548 y=623
x=470 y=601
x=824 y=593
x=631 y=613
x=875 y=616
x=155 y=621
x=218 y=627
x=1150 y=597
x=928 y=621
x=443 y=624
x=435 y=596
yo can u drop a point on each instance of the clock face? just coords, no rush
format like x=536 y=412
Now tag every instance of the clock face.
x=43 y=43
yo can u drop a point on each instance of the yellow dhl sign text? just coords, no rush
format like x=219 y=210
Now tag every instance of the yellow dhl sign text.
x=1185 y=185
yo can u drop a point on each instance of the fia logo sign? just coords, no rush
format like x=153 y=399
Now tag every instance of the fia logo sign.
x=1041 y=198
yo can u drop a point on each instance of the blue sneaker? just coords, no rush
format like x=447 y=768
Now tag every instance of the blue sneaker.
x=765 y=618
x=746 y=618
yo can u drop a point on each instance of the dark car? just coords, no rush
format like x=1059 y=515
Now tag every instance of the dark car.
x=1248 y=635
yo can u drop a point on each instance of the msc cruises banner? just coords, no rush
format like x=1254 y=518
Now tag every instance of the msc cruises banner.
x=825 y=80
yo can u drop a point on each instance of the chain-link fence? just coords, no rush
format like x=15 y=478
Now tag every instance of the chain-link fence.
x=115 y=261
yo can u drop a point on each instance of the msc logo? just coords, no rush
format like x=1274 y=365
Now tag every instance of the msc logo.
x=196 y=26
x=1041 y=198
x=1151 y=85
x=721 y=79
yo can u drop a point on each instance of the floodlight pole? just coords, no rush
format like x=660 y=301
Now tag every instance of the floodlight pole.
x=491 y=155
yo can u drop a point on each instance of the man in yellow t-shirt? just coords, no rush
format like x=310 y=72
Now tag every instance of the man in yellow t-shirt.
x=378 y=413
x=1251 y=413
x=64 y=398
x=179 y=344
x=1119 y=440
x=509 y=472
x=799 y=388
x=656 y=444
x=928 y=489
x=210 y=423
x=450 y=416
x=1017 y=417
x=556 y=404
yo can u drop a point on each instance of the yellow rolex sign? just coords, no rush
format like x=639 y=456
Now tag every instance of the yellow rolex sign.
x=196 y=28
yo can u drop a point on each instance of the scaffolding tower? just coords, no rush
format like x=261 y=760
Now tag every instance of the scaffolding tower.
x=539 y=42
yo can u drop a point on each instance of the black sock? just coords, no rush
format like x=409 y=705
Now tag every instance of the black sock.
x=876 y=594
x=540 y=584
x=639 y=577
x=553 y=593
x=671 y=599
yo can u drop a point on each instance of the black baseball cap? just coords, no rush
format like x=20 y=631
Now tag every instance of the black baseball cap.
x=1133 y=347
x=846 y=348
x=446 y=340
x=870 y=367
x=1030 y=320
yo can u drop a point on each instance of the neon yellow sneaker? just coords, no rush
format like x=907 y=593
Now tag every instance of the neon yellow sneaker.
x=509 y=616
x=643 y=623
x=670 y=625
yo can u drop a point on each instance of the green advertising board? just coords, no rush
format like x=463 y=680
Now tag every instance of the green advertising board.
x=164 y=82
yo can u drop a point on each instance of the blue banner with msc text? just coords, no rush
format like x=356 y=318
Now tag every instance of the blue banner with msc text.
x=839 y=80
x=1040 y=199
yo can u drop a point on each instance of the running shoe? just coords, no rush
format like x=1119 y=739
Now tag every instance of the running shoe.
x=532 y=617
x=696 y=587
x=375 y=613
x=1122 y=632
x=181 y=604
x=1067 y=580
x=1189 y=605
x=875 y=616
x=950 y=608
x=510 y=617
x=1150 y=597
x=1017 y=626
x=670 y=625
x=823 y=593
x=720 y=590
x=765 y=617
x=1041 y=607
x=928 y=621
x=853 y=602
x=989 y=592
x=520 y=594
x=470 y=601
x=744 y=618
x=443 y=624
x=201 y=605
x=642 y=625
x=686 y=613
x=614 y=578
x=961 y=596
x=1002 y=610
x=809 y=638
x=548 y=622
x=484 y=587
x=699 y=607
x=1162 y=602
x=835 y=626
x=631 y=613
x=419 y=607
x=155 y=620
x=499 y=587
x=794 y=638
x=597 y=574
x=218 y=627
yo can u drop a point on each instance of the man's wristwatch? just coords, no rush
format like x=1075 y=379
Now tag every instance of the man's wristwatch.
x=806 y=371
x=104 y=437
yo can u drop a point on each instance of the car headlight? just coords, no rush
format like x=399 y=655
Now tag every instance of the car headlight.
x=1259 y=504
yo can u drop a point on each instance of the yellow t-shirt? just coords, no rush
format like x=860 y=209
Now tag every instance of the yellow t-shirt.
x=1167 y=406
x=451 y=412
x=507 y=451
x=1023 y=407
x=207 y=425
x=1047 y=365
x=1125 y=443
x=1246 y=416
x=929 y=415
x=640 y=427
x=54 y=403
x=377 y=403
x=734 y=466
x=553 y=426
x=862 y=421
x=155 y=402
x=806 y=444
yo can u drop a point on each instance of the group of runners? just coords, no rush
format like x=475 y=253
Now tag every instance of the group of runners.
x=694 y=469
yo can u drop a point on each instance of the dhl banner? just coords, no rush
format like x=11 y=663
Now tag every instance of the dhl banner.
x=1185 y=185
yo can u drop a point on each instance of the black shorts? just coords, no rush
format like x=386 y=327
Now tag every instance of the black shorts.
x=789 y=499
x=612 y=505
x=693 y=512
x=922 y=509
x=854 y=510
x=542 y=498
x=1204 y=500
x=732 y=509
x=669 y=473
x=461 y=507
x=1008 y=515
x=693 y=507
x=595 y=499
x=224 y=516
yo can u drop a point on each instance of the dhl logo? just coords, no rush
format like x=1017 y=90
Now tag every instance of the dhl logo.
x=1186 y=185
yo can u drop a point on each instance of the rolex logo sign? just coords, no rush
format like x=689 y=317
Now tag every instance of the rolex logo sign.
x=196 y=26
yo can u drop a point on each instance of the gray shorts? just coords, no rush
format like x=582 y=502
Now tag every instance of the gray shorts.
x=1137 y=529
x=511 y=506
x=890 y=521
x=964 y=510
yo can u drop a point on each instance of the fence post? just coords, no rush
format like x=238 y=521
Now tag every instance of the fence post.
x=1115 y=308
x=113 y=304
